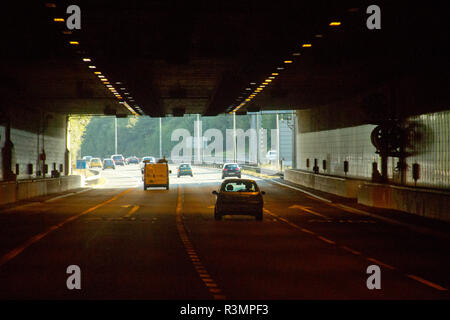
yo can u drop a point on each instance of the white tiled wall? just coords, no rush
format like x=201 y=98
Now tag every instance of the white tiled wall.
x=336 y=146
x=28 y=144
x=353 y=144
x=433 y=150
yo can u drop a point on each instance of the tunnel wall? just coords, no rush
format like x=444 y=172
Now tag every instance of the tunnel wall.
x=341 y=133
x=431 y=149
x=31 y=132
x=12 y=191
x=427 y=203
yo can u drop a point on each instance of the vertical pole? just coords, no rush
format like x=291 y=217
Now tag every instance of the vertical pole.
x=198 y=147
x=234 y=137
x=294 y=140
x=258 y=139
x=277 y=141
x=67 y=160
x=115 y=135
x=160 y=138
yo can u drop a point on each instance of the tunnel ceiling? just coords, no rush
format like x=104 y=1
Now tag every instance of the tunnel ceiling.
x=174 y=57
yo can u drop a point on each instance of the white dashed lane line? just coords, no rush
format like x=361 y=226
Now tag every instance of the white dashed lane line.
x=357 y=253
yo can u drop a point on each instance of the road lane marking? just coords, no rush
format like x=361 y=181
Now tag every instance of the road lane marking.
x=351 y=250
x=306 y=209
x=326 y=240
x=133 y=210
x=380 y=263
x=298 y=189
x=66 y=195
x=426 y=282
x=204 y=275
x=18 y=250
x=362 y=212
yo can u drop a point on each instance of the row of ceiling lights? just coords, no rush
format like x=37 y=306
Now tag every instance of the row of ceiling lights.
x=118 y=94
x=254 y=91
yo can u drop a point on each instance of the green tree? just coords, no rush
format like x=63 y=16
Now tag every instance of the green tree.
x=77 y=128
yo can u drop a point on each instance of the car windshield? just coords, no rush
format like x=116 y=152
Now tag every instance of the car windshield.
x=231 y=166
x=240 y=186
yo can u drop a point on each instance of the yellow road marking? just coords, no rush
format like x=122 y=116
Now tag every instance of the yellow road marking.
x=381 y=263
x=425 y=282
x=18 y=250
x=193 y=256
x=306 y=209
x=351 y=250
x=133 y=210
x=326 y=240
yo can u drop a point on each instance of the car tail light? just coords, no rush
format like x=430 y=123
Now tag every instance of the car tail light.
x=225 y=169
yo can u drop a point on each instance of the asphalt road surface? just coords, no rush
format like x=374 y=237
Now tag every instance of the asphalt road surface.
x=165 y=244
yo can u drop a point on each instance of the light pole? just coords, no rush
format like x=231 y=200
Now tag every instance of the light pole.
x=278 y=141
x=234 y=137
x=160 y=138
x=115 y=134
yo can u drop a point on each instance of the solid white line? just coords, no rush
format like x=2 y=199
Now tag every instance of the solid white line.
x=59 y=197
x=298 y=189
x=66 y=195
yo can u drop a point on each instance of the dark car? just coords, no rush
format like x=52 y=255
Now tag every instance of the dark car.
x=119 y=160
x=184 y=170
x=108 y=163
x=231 y=170
x=239 y=197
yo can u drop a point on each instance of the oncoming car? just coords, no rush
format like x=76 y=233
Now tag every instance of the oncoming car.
x=184 y=170
x=239 y=197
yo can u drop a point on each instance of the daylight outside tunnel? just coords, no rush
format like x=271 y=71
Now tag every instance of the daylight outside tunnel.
x=224 y=150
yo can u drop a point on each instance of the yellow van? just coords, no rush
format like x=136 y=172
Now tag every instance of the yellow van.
x=156 y=175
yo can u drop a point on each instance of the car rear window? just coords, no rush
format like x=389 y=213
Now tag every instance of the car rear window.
x=117 y=157
x=240 y=186
x=185 y=166
x=231 y=166
x=108 y=161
